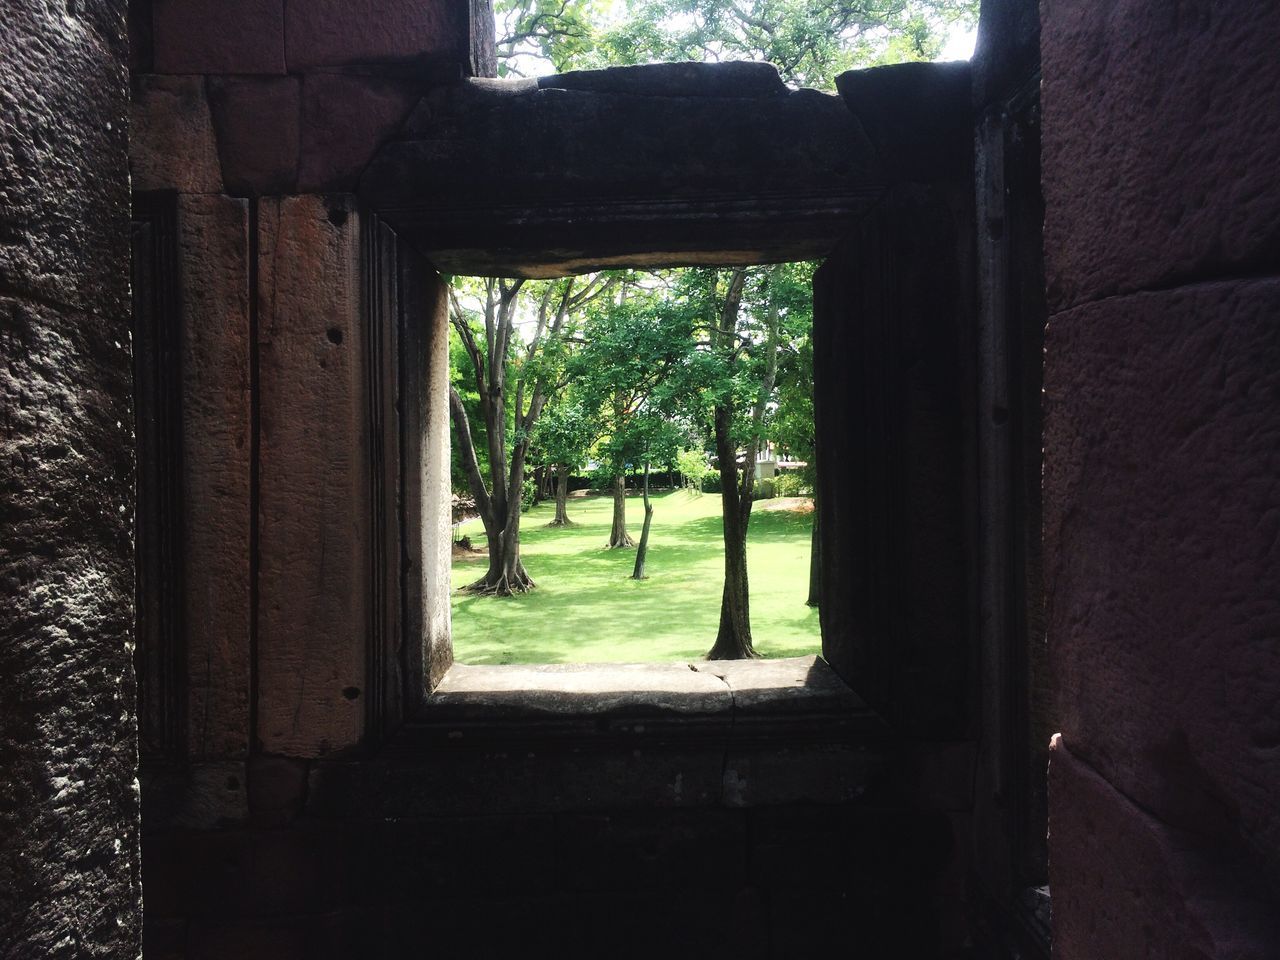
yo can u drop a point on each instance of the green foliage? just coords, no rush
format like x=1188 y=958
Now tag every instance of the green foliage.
x=630 y=373
x=530 y=33
x=792 y=483
x=693 y=466
x=810 y=41
x=565 y=432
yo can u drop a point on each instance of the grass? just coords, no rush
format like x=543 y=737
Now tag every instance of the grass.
x=587 y=609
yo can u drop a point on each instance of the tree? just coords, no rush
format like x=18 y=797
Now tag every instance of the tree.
x=694 y=467
x=513 y=382
x=532 y=34
x=810 y=41
x=562 y=439
x=746 y=367
x=632 y=349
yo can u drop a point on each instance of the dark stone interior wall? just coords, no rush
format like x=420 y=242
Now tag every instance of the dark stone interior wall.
x=893 y=397
x=1162 y=438
x=68 y=754
x=1018 y=715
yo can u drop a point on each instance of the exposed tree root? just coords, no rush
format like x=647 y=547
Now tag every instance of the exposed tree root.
x=731 y=650
x=504 y=587
x=625 y=542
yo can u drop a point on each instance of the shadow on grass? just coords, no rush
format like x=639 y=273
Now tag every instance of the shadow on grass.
x=586 y=607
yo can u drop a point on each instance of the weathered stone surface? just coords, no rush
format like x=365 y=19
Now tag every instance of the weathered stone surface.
x=69 y=881
x=1125 y=882
x=257 y=121
x=518 y=777
x=235 y=874
x=409 y=859
x=1157 y=165
x=1162 y=445
x=425 y=299
x=651 y=850
x=643 y=179
x=277 y=788
x=345 y=119
x=771 y=773
x=324 y=33
x=218 y=36
x=171 y=141
x=577 y=689
x=686 y=79
x=891 y=309
x=214 y=271
x=64 y=188
x=916 y=115
x=789 y=685
x=937 y=776
x=313 y=507
x=68 y=813
x=213 y=796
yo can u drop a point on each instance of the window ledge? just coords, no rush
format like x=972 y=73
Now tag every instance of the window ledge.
x=797 y=697
x=587 y=737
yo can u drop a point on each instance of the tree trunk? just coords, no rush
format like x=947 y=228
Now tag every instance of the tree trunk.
x=815 y=554
x=618 y=534
x=506 y=574
x=562 y=497
x=541 y=489
x=733 y=639
x=643 y=549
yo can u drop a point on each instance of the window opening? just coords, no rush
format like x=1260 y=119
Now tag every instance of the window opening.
x=596 y=423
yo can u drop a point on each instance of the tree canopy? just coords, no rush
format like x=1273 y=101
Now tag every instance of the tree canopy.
x=810 y=41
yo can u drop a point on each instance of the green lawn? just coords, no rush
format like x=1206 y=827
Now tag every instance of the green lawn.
x=587 y=609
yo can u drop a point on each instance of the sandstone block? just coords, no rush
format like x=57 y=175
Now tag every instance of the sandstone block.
x=652 y=850
x=277 y=788
x=171 y=140
x=214 y=271
x=1162 y=546
x=412 y=859
x=1126 y=885
x=345 y=119
x=656 y=179
x=256 y=119
x=916 y=115
x=218 y=36
x=314 y=507
x=1158 y=166
x=325 y=33
x=688 y=79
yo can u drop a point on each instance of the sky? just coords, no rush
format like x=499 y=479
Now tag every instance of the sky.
x=960 y=42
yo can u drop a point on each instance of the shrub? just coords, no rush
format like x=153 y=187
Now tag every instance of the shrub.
x=791 y=485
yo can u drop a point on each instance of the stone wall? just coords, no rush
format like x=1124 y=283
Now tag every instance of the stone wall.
x=1017 y=712
x=251 y=124
x=68 y=754
x=1162 y=438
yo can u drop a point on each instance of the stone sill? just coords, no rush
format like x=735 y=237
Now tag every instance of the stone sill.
x=609 y=737
x=799 y=699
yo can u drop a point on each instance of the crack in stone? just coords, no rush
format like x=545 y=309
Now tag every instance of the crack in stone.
x=733 y=724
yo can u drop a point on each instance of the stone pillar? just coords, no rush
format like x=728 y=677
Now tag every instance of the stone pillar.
x=69 y=863
x=1162 y=448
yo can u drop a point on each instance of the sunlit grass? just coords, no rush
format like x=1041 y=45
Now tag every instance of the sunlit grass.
x=587 y=609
